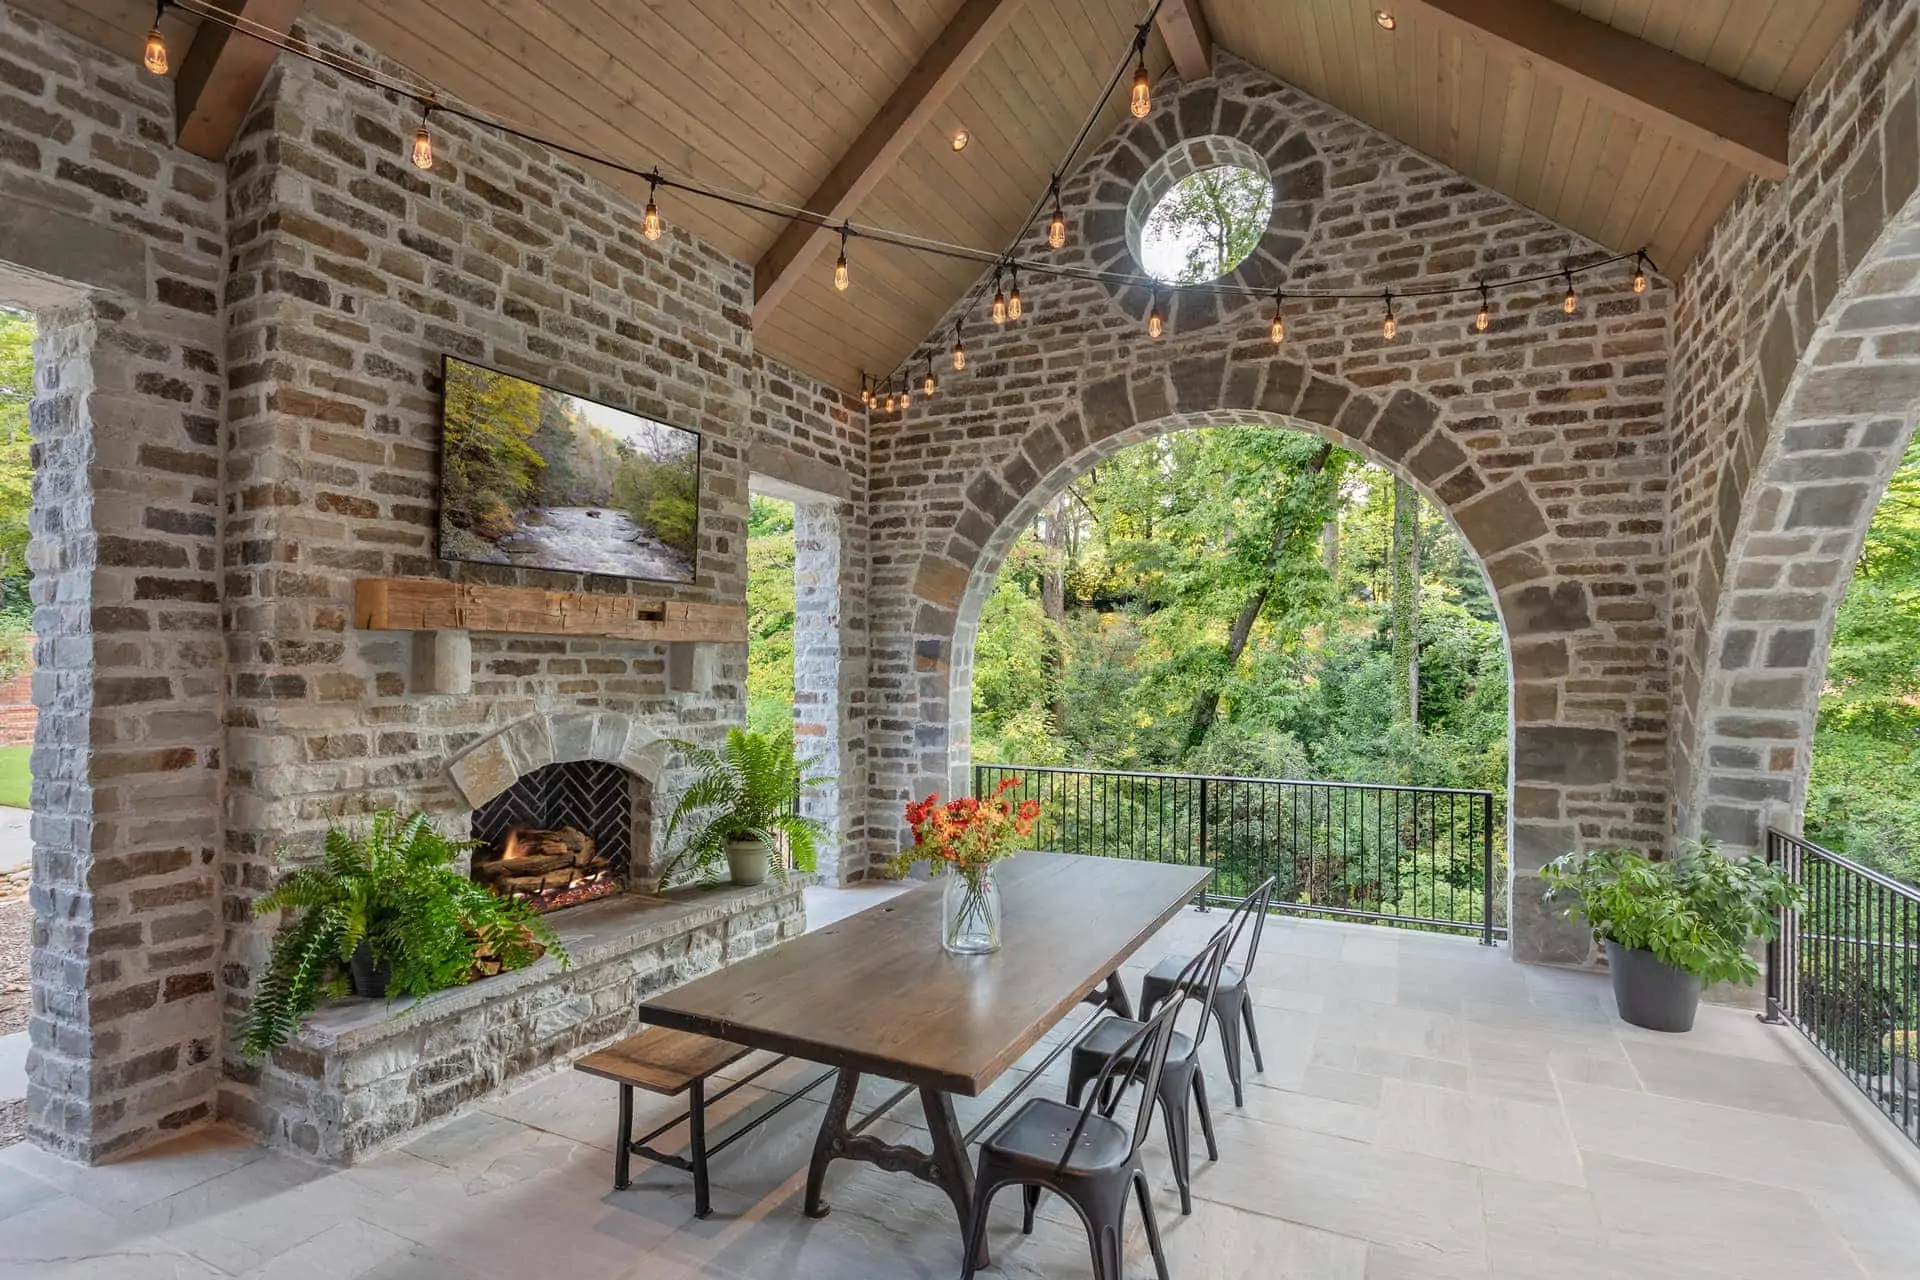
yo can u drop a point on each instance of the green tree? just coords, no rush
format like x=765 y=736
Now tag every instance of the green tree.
x=1208 y=223
x=16 y=465
x=770 y=615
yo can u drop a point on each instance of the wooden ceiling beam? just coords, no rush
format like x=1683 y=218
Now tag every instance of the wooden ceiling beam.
x=910 y=109
x=1184 y=27
x=222 y=74
x=1655 y=86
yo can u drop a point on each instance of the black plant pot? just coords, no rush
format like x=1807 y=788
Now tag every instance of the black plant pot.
x=364 y=977
x=1650 y=992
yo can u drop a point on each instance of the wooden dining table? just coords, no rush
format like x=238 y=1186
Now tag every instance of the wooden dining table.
x=876 y=994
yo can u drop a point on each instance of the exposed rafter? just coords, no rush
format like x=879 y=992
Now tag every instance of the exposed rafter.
x=940 y=70
x=1184 y=27
x=1652 y=85
x=222 y=74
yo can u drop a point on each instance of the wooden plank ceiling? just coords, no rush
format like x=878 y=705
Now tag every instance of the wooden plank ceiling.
x=768 y=96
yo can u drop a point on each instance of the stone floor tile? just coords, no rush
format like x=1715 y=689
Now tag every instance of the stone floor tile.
x=146 y=1177
x=347 y=1250
x=1411 y=1032
x=20 y=1191
x=1415 y=1262
x=255 y=1230
x=140 y=1258
x=57 y=1231
x=1295 y=1110
x=1680 y=1071
x=1501 y=1134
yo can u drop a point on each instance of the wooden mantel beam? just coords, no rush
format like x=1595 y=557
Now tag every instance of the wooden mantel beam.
x=1655 y=86
x=1184 y=27
x=885 y=139
x=222 y=74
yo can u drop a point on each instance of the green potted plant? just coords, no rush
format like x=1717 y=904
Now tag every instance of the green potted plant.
x=741 y=808
x=385 y=911
x=1671 y=926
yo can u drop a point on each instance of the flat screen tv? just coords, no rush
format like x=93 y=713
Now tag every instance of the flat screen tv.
x=535 y=477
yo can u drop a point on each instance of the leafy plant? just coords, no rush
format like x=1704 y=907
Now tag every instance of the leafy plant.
x=748 y=790
x=397 y=890
x=1695 y=911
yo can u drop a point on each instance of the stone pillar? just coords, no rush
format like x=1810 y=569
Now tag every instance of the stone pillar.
x=819 y=687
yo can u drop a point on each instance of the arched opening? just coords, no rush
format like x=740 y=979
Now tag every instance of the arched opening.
x=1244 y=645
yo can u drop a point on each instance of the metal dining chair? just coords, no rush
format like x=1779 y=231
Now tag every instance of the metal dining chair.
x=1230 y=1003
x=1180 y=1080
x=1082 y=1153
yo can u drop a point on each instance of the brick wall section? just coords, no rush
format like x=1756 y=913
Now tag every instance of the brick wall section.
x=18 y=715
x=126 y=230
x=1783 y=436
x=1544 y=440
x=352 y=273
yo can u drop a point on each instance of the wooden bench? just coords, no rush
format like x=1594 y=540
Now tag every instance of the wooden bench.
x=671 y=1063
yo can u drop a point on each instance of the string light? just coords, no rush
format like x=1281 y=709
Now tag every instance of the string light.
x=1057 y=228
x=650 y=224
x=959 y=349
x=1156 y=323
x=889 y=395
x=423 y=142
x=1140 y=101
x=866 y=390
x=1570 y=303
x=1013 y=299
x=1640 y=271
x=840 y=277
x=928 y=383
x=156 y=51
x=1388 y=325
x=999 y=311
x=1485 y=318
x=1279 y=326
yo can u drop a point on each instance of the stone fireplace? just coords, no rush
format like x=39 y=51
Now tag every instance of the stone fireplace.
x=564 y=834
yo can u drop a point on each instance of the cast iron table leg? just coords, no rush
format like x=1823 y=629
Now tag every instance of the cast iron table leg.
x=832 y=1140
x=955 y=1175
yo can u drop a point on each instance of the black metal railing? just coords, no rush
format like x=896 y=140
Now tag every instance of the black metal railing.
x=1415 y=856
x=1846 y=971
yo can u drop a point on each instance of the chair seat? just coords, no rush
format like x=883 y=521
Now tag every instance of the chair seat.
x=1167 y=972
x=1110 y=1035
x=1038 y=1134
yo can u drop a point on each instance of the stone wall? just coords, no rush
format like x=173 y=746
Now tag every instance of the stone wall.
x=1543 y=440
x=1793 y=392
x=114 y=237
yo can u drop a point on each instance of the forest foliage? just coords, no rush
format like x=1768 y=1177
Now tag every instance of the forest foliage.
x=16 y=489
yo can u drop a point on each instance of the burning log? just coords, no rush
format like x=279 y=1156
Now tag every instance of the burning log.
x=539 y=864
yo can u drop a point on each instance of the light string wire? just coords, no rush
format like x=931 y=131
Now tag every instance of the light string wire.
x=432 y=103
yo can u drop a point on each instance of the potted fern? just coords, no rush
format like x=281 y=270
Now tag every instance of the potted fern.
x=1671 y=926
x=741 y=809
x=387 y=911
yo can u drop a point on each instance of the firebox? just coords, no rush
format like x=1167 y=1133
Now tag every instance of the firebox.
x=560 y=835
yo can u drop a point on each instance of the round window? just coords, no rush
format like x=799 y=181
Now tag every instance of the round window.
x=1206 y=224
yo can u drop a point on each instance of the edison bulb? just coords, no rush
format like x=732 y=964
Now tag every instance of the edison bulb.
x=650 y=224
x=156 y=52
x=1140 y=102
x=423 y=148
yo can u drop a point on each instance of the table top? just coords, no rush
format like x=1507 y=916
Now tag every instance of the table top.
x=878 y=993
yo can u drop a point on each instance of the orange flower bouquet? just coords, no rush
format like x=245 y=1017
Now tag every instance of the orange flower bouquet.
x=968 y=836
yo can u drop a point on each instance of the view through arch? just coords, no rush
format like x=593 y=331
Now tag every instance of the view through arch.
x=1253 y=602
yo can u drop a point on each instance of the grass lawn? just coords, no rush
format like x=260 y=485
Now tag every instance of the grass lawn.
x=14 y=781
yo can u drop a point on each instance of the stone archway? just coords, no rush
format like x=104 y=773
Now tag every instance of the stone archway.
x=1833 y=403
x=1553 y=764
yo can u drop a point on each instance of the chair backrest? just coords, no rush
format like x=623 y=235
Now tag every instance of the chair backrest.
x=1247 y=922
x=1207 y=983
x=1147 y=1049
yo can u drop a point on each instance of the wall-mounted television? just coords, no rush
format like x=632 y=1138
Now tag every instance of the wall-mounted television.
x=535 y=477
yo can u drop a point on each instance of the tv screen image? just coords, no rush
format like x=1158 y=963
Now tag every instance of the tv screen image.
x=539 y=478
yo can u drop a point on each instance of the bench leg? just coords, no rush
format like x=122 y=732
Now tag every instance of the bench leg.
x=623 y=1145
x=697 y=1131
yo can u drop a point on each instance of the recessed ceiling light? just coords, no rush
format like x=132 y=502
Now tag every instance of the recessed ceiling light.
x=960 y=139
x=1384 y=20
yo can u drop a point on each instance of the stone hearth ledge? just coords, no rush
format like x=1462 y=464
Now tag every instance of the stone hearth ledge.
x=361 y=1075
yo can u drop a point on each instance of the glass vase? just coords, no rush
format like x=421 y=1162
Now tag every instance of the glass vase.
x=970 y=912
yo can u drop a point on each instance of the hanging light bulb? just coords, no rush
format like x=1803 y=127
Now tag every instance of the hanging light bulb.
x=1640 y=272
x=999 y=311
x=889 y=395
x=1013 y=299
x=866 y=391
x=1570 y=303
x=155 y=57
x=1140 y=101
x=1279 y=326
x=423 y=143
x=1057 y=228
x=1485 y=317
x=650 y=224
x=840 y=278
x=1156 y=323
x=1389 y=327
x=959 y=349
x=928 y=383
